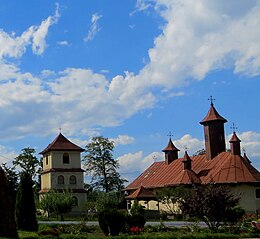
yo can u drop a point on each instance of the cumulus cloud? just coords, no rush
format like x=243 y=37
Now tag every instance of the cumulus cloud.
x=123 y=140
x=94 y=28
x=15 y=46
x=250 y=142
x=197 y=37
x=133 y=164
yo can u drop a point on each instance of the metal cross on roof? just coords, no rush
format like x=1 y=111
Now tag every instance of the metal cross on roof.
x=233 y=127
x=211 y=99
x=170 y=134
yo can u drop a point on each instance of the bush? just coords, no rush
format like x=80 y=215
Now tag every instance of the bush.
x=136 y=217
x=112 y=221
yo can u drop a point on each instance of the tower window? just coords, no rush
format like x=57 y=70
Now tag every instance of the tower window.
x=60 y=179
x=73 y=179
x=47 y=160
x=66 y=158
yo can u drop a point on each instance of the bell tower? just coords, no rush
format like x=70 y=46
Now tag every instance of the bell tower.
x=214 y=132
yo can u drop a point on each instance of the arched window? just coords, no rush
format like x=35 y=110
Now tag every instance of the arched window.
x=60 y=179
x=66 y=158
x=73 y=179
x=75 y=201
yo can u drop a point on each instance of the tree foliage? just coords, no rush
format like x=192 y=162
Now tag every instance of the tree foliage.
x=28 y=162
x=171 y=198
x=101 y=165
x=57 y=203
x=7 y=218
x=25 y=210
x=214 y=204
x=12 y=178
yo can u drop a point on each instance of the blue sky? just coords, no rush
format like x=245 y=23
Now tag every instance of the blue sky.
x=129 y=70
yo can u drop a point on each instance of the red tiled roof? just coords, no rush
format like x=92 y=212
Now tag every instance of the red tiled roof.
x=61 y=143
x=170 y=147
x=224 y=168
x=141 y=193
x=213 y=115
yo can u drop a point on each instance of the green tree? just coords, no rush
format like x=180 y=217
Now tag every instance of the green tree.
x=170 y=198
x=57 y=203
x=12 y=178
x=25 y=210
x=214 y=204
x=28 y=162
x=101 y=165
x=7 y=218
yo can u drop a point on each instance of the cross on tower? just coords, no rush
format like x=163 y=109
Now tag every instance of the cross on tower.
x=60 y=129
x=233 y=127
x=211 y=99
x=170 y=134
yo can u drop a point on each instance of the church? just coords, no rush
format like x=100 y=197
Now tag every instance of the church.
x=216 y=165
x=61 y=170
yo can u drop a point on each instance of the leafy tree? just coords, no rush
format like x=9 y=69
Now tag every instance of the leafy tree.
x=7 y=218
x=25 y=210
x=212 y=203
x=171 y=198
x=56 y=202
x=12 y=178
x=28 y=162
x=101 y=165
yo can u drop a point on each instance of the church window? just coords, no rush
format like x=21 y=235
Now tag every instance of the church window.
x=47 y=160
x=60 y=179
x=66 y=158
x=257 y=193
x=75 y=201
x=73 y=179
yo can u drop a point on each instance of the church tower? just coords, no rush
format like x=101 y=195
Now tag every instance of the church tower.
x=61 y=169
x=214 y=132
x=170 y=152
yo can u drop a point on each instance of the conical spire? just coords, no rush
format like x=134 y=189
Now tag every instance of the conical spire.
x=235 y=144
x=171 y=152
x=212 y=115
x=186 y=161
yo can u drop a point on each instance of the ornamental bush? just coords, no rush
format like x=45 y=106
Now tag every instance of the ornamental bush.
x=136 y=217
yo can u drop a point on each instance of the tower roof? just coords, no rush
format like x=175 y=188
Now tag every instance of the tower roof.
x=234 y=138
x=61 y=143
x=170 y=147
x=186 y=157
x=213 y=115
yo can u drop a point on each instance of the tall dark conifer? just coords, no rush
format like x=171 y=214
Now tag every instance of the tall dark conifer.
x=7 y=219
x=25 y=210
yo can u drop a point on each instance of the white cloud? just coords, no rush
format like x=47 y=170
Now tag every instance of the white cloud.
x=250 y=142
x=94 y=28
x=38 y=41
x=132 y=164
x=7 y=155
x=123 y=140
x=187 y=142
x=198 y=37
x=63 y=43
